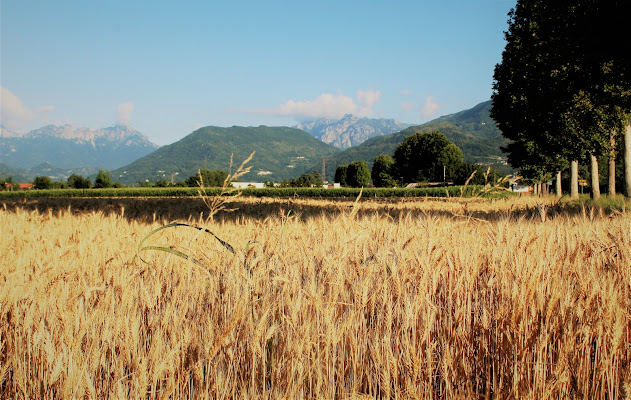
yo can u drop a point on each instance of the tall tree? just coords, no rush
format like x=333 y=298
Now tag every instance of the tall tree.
x=207 y=178
x=79 y=182
x=341 y=173
x=103 y=180
x=382 y=170
x=627 y=160
x=561 y=84
x=358 y=174
x=42 y=182
x=423 y=157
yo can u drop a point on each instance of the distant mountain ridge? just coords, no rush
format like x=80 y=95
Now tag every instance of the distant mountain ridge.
x=281 y=153
x=68 y=147
x=351 y=130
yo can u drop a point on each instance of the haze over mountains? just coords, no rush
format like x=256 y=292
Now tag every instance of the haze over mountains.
x=281 y=152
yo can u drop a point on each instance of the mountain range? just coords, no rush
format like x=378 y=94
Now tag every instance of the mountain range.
x=281 y=152
x=68 y=147
x=351 y=130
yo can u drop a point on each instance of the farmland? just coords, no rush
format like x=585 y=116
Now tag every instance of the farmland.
x=322 y=298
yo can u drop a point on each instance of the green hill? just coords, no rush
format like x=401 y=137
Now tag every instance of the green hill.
x=473 y=131
x=281 y=153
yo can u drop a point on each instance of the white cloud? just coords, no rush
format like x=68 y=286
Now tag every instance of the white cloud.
x=366 y=100
x=327 y=105
x=123 y=113
x=405 y=92
x=430 y=108
x=14 y=114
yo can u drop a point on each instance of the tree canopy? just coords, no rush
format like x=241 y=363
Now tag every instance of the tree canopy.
x=77 y=181
x=563 y=85
x=42 y=182
x=207 y=178
x=307 y=180
x=355 y=174
x=425 y=157
x=103 y=180
x=382 y=170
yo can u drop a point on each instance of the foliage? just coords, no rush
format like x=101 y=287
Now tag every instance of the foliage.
x=8 y=181
x=210 y=178
x=312 y=179
x=77 y=181
x=341 y=173
x=421 y=157
x=467 y=169
x=163 y=183
x=42 y=182
x=382 y=171
x=358 y=174
x=562 y=86
x=103 y=180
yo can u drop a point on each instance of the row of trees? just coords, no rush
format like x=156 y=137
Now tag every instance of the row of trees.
x=421 y=157
x=562 y=92
x=205 y=177
x=76 y=181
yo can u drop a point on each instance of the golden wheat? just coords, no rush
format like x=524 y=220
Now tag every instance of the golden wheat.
x=418 y=299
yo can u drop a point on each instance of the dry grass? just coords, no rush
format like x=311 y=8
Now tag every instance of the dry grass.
x=438 y=300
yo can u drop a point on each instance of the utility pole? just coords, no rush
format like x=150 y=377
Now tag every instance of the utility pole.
x=323 y=169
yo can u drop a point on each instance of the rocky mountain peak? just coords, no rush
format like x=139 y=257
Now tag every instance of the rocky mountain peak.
x=350 y=130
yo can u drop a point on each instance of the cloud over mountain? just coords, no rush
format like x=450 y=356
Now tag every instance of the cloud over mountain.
x=327 y=105
x=123 y=113
x=15 y=115
x=430 y=108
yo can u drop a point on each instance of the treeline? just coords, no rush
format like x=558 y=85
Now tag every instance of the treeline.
x=421 y=158
x=562 y=92
x=103 y=180
x=204 y=178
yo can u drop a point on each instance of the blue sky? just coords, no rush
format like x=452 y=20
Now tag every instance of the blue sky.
x=166 y=68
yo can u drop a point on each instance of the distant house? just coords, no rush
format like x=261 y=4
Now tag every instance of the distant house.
x=22 y=186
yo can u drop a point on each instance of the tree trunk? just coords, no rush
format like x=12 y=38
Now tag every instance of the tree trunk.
x=594 y=175
x=544 y=188
x=611 y=190
x=627 y=160
x=574 y=180
x=559 y=189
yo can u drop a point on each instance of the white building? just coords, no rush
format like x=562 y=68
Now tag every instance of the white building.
x=246 y=185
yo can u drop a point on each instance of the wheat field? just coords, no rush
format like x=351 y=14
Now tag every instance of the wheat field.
x=418 y=299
